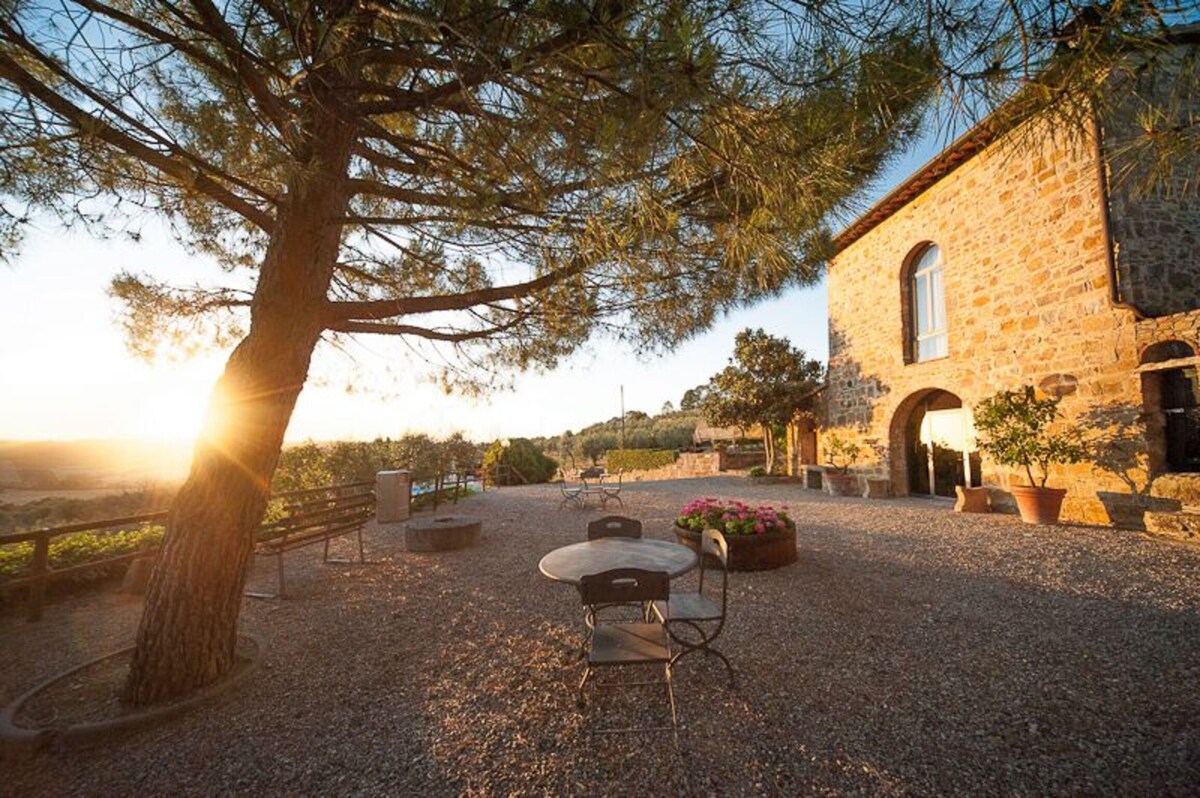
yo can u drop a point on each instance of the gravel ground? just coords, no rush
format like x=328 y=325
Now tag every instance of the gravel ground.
x=908 y=651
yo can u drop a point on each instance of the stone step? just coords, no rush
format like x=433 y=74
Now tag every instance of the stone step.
x=1182 y=525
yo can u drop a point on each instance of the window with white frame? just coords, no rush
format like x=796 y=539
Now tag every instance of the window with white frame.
x=927 y=288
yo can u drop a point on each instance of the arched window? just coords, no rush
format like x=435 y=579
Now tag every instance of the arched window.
x=927 y=310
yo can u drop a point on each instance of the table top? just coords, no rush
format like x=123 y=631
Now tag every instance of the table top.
x=570 y=563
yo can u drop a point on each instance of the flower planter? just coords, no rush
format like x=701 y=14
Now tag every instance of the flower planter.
x=1038 y=505
x=842 y=484
x=750 y=552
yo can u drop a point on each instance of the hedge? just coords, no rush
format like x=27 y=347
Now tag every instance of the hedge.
x=639 y=459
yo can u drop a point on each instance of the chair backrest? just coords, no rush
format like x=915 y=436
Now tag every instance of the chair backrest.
x=614 y=526
x=624 y=585
x=713 y=544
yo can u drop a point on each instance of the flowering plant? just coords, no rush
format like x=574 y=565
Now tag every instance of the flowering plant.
x=733 y=517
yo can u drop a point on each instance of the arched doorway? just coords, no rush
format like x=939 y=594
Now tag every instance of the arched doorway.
x=935 y=437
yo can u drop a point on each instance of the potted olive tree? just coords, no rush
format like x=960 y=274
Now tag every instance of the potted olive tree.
x=841 y=455
x=1014 y=429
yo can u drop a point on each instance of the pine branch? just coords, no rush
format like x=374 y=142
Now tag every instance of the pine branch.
x=339 y=312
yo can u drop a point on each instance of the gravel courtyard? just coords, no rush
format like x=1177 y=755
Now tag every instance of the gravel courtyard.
x=908 y=651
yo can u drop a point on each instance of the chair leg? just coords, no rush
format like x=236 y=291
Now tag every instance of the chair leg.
x=579 y=702
x=671 y=701
x=704 y=645
x=279 y=561
x=728 y=667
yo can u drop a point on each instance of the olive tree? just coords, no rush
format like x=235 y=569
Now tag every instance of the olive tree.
x=766 y=382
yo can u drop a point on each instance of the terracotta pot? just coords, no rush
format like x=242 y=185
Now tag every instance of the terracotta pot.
x=750 y=552
x=842 y=484
x=1038 y=505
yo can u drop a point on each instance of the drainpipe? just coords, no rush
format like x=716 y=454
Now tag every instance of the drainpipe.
x=1110 y=259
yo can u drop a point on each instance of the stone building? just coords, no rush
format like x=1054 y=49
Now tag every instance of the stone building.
x=1028 y=257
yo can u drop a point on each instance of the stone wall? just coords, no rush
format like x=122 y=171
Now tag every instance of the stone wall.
x=1020 y=227
x=690 y=465
x=1155 y=216
x=687 y=466
x=1178 y=327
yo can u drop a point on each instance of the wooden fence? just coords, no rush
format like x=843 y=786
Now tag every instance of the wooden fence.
x=41 y=572
x=302 y=510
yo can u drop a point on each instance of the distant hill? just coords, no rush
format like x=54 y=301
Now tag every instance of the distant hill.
x=88 y=464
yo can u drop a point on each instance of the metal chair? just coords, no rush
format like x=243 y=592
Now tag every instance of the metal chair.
x=696 y=611
x=570 y=493
x=610 y=491
x=614 y=645
x=614 y=526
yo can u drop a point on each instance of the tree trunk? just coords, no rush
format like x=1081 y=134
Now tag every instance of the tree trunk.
x=769 y=448
x=188 y=631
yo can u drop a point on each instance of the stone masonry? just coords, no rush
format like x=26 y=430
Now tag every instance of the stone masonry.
x=1021 y=228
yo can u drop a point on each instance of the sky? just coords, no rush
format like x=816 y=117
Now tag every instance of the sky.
x=65 y=373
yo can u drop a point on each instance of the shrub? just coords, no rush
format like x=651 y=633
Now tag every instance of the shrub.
x=758 y=471
x=733 y=517
x=639 y=459
x=842 y=454
x=519 y=461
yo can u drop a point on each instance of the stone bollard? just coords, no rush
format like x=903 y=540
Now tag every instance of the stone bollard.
x=137 y=576
x=878 y=489
x=972 y=500
x=392 y=490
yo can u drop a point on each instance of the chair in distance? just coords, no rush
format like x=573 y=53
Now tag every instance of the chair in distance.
x=609 y=490
x=570 y=493
x=614 y=645
x=699 y=613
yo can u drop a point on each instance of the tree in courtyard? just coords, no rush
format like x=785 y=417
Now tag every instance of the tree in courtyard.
x=492 y=181
x=766 y=382
x=595 y=445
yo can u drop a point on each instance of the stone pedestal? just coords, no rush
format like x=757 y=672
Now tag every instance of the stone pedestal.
x=814 y=477
x=1184 y=525
x=878 y=489
x=137 y=577
x=972 y=500
x=444 y=533
x=392 y=491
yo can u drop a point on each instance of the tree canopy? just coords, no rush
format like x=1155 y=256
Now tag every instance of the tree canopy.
x=766 y=382
x=492 y=182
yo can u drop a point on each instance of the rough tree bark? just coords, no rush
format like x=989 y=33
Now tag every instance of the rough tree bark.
x=188 y=631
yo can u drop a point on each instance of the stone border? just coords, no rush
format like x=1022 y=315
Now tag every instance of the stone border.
x=15 y=737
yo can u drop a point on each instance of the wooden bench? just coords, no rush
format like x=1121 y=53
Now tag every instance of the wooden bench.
x=315 y=516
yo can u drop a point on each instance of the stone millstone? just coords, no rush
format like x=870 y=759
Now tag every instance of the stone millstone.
x=443 y=533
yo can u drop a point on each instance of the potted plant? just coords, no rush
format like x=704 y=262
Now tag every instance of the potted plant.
x=841 y=455
x=1014 y=430
x=759 y=538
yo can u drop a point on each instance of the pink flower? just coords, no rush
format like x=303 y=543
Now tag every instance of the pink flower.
x=759 y=528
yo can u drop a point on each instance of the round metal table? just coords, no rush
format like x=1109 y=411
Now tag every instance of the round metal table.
x=570 y=563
